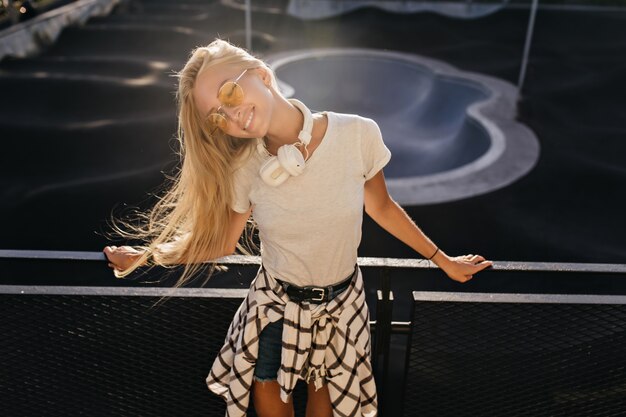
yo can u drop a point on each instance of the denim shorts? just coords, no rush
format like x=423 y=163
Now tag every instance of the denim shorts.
x=270 y=346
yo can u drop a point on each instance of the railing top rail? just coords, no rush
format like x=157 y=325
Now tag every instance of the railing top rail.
x=123 y=291
x=436 y=296
x=466 y=297
x=362 y=261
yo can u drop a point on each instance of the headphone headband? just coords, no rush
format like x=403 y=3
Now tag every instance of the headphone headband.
x=307 y=127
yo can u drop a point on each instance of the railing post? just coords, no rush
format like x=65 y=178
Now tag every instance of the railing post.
x=380 y=364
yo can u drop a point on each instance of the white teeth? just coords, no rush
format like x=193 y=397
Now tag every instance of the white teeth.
x=249 y=120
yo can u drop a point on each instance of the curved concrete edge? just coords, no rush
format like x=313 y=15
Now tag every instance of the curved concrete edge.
x=145 y=27
x=88 y=128
x=83 y=123
x=323 y=9
x=261 y=41
x=254 y=7
x=132 y=119
x=153 y=63
x=150 y=79
x=25 y=38
x=514 y=150
x=59 y=184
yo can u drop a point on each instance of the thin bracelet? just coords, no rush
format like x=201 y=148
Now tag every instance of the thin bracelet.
x=434 y=254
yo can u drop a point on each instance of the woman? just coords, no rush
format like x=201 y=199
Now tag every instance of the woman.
x=246 y=148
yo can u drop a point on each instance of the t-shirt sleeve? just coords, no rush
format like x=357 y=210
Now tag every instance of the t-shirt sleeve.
x=374 y=153
x=242 y=184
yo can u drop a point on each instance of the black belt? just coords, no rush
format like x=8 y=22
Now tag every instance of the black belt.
x=316 y=295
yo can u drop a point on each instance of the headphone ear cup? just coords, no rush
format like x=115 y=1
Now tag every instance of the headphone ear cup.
x=291 y=159
x=272 y=172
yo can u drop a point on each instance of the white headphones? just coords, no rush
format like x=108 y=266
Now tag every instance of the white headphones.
x=289 y=160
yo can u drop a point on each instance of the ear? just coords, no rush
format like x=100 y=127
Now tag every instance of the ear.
x=265 y=75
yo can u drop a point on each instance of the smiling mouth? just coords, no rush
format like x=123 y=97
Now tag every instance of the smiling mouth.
x=249 y=120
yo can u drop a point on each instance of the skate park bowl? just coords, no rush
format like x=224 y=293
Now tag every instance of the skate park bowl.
x=452 y=134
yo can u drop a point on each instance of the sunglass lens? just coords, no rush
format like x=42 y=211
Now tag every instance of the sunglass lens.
x=218 y=121
x=231 y=94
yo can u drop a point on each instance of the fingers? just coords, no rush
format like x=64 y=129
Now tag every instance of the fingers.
x=480 y=265
x=109 y=251
x=121 y=258
x=470 y=265
x=477 y=260
x=485 y=265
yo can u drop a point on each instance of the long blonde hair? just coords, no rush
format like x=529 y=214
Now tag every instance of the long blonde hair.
x=191 y=220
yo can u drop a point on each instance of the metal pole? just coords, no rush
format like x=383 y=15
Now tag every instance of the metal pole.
x=248 y=26
x=529 y=36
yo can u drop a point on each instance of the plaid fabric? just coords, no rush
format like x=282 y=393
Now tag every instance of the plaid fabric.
x=322 y=343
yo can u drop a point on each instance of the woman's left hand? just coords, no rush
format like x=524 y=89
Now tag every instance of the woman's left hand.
x=463 y=268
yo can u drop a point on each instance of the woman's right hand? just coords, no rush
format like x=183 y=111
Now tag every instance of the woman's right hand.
x=121 y=257
x=463 y=268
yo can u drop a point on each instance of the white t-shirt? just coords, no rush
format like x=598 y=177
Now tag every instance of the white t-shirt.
x=310 y=225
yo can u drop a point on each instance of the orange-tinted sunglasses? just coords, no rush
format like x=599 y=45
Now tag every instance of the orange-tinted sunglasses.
x=230 y=94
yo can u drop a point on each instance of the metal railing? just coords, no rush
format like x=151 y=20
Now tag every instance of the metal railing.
x=383 y=275
x=378 y=262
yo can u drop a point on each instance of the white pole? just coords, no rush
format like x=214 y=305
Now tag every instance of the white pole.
x=248 y=25
x=529 y=35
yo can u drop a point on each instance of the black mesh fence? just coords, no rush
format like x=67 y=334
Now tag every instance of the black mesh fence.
x=113 y=355
x=108 y=352
x=502 y=357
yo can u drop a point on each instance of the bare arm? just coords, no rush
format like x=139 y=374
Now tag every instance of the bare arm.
x=237 y=226
x=390 y=216
x=123 y=256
